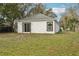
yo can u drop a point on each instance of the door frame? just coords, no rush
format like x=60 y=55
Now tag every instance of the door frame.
x=23 y=27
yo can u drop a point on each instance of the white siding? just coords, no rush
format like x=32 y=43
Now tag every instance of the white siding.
x=38 y=27
x=19 y=27
x=56 y=27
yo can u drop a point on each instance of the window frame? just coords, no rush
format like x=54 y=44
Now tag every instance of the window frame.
x=49 y=29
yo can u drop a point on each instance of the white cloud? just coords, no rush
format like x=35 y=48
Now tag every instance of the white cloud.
x=58 y=10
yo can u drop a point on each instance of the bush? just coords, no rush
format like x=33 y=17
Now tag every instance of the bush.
x=5 y=29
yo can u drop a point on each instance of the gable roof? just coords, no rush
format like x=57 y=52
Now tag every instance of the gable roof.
x=37 y=17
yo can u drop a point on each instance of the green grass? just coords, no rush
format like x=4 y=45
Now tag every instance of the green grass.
x=63 y=44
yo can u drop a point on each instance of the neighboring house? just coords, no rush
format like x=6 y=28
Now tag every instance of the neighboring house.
x=38 y=23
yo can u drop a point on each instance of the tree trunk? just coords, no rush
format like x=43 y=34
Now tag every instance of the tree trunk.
x=12 y=26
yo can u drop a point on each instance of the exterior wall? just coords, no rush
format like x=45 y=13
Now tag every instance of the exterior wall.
x=56 y=27
x=19 y=27
x=38 y=27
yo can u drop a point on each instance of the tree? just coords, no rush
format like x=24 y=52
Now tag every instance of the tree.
x=50 y=13
x=70 y=19
x=37 y=8
x=40 y=8
x=24 y=7
x=10 y=12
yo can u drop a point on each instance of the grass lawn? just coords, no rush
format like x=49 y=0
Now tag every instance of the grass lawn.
x=14 y=44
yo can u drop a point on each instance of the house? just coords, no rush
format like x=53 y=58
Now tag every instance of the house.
x=38 y=23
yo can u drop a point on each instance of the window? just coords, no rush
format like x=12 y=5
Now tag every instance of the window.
x=27 y=27
x=49 y=26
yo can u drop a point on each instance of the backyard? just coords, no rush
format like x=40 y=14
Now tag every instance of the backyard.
x=62 y=44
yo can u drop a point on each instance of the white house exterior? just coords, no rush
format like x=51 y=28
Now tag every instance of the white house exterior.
x=38 y=23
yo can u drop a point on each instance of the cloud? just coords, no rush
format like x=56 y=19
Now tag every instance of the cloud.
x=58 y=10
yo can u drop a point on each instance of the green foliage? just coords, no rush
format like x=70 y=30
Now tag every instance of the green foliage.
x=69 y=20
x=10 y=12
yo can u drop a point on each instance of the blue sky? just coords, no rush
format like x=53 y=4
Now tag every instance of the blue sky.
x=59 y=5
x=58 y=8
x=55 y=5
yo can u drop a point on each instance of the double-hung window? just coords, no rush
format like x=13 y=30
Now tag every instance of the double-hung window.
x=49 y=26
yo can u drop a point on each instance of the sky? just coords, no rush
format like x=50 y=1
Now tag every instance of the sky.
x=55 y=5
x=59 y=5
x=57 y=8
